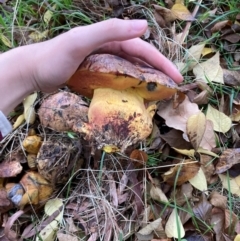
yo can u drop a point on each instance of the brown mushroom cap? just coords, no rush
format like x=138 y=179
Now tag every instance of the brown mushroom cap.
x=110 y=71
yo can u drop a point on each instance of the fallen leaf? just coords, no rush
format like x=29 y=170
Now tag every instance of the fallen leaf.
x=175 y=139
x=199 y=181
x=150 y=228
x=210 y=153
x=192 y=57
x=38 y=36
x=174 y=227
x=29 y=112
x=207 y=51
x=177 y=118
x=166 y=13
x=221 y=122
x=19 y=121
x=182 y=194
x=5 y=41
x=209 y=140
x=210 y=70
x=202 y=209
x=231 y=220
x=219 y=25
x=49 y=232
x=139 y=158
x=66 y=237
x=157 y=194
x=196 y=125
x=181 y=12
x=237 y=237
x=218 y=200
x=228 y=158
x=183 y=172
x=231 y=77
x=48 y=14
x=217 y=221
x=208 y=168
x=190 y=153
x=230 y=184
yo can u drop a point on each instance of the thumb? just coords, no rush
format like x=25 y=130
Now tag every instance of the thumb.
x=89 y=38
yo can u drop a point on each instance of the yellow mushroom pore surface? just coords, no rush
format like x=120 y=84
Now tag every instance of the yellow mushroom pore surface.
x=121 y=113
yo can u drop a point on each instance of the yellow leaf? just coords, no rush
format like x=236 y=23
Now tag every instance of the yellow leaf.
x=19 y=121
x=38 y=36
x=210 y=70
x=189 y=153
x=237 y=238
x=206 y=51
x=29 y=112
x=230 y=184
x=207 y=152
x=6 y=41
x=48 y=15
x=181 y=12
x=196 y=125
x=193 y=55
x=173 y=225
x=221 y=122
x=49 y=232
x=199 y=181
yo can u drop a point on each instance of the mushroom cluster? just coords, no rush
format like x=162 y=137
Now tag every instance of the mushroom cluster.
x=121 y=110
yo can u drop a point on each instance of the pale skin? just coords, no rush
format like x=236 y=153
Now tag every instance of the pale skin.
x=48 y=65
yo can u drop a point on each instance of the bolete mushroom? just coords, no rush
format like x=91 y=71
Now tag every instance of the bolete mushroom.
x=119 y=114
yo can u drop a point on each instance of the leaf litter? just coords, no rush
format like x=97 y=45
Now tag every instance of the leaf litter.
x=108 y=197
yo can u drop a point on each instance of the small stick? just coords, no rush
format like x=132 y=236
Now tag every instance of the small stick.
x=188 y=25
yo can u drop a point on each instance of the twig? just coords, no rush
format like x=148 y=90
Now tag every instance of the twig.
x=188 y=25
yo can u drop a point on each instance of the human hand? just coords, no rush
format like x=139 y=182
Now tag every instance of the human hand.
x=55 y=61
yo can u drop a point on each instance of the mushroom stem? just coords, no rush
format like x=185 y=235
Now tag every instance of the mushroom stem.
x=119 y=117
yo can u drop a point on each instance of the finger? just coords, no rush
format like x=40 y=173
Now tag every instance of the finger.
x=88 y=38
x=137 y=48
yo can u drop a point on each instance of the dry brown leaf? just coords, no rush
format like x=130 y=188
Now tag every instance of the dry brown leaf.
x=231 y=77
x=177 y=118
x=220 y=25
x=196 y=125
x=210 y=70
x=66 y=237
x=157 y=194
x=203 y=209
x=174 y=138
x=208 y=168
x=208 y=141
x=10 y=169
x=183 y=172
x=221 y=122
x=218 y=200
x=5 y=203
x=217 y=221
x=149 y=229
x=139 y=158
x=181 y=12
x=228 y=158
x=182 y=194
x=231 y=220
x=166 y=13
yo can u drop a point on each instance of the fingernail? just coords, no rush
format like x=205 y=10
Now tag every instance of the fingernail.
x=139 y=25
